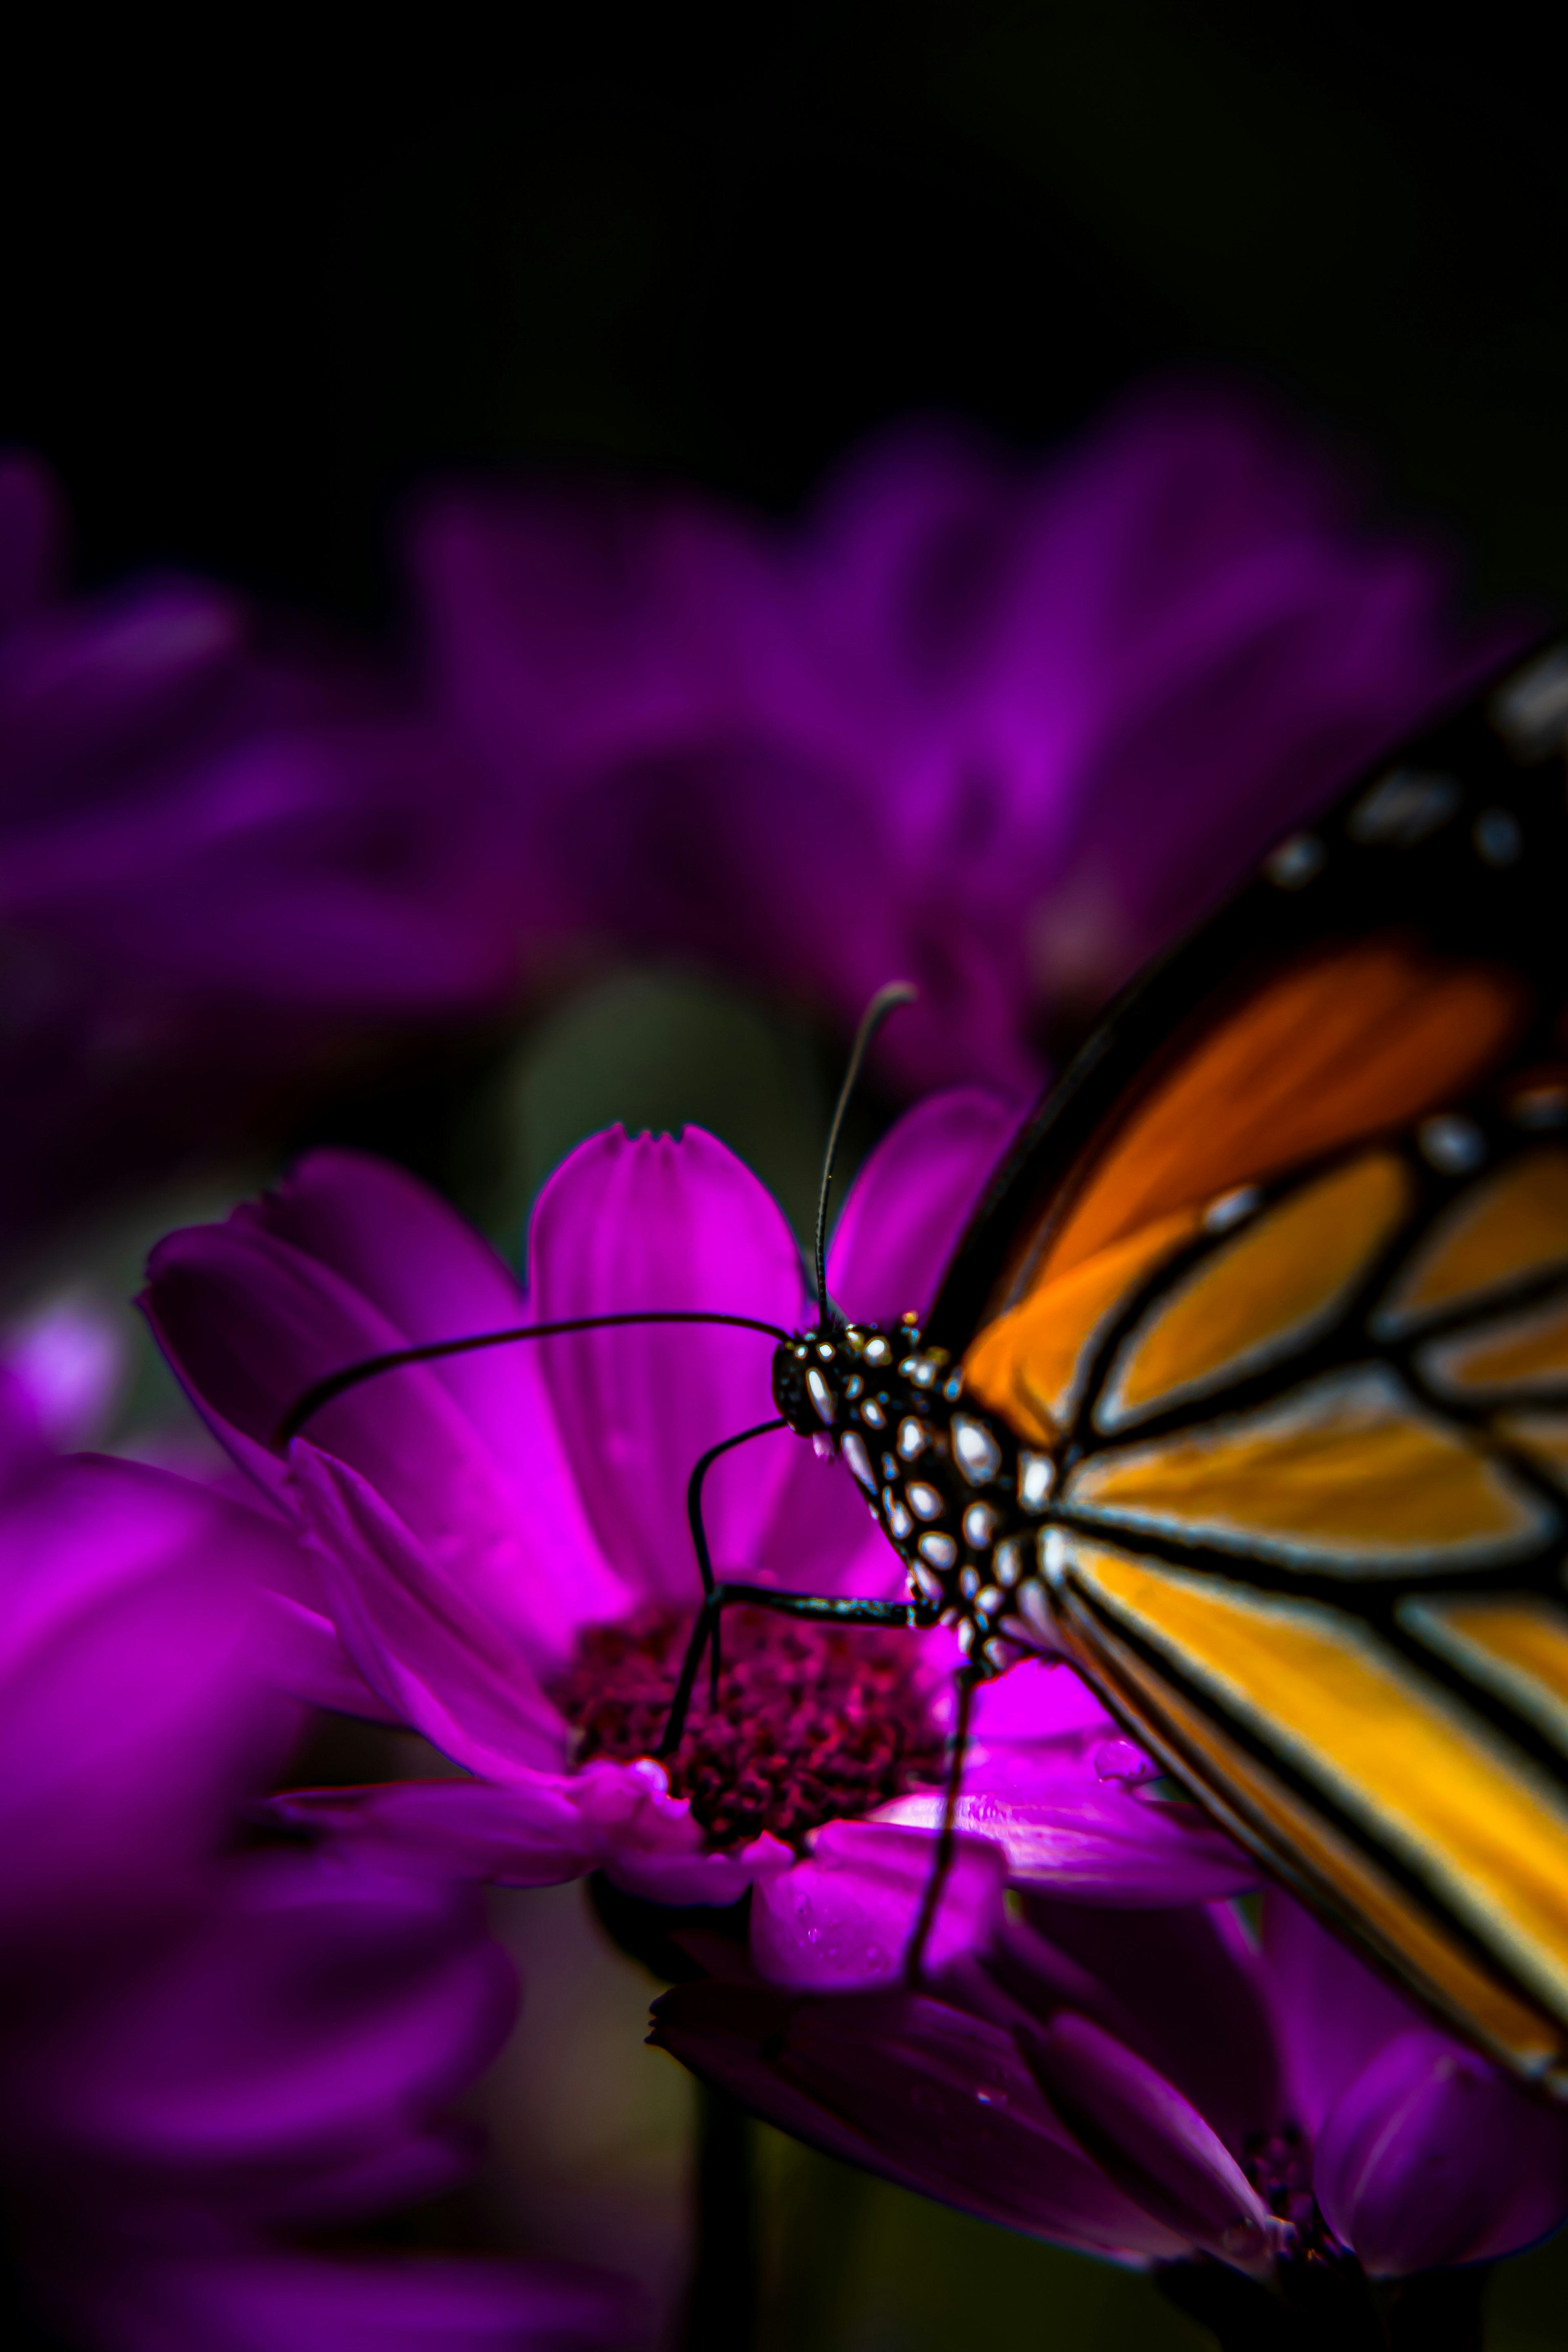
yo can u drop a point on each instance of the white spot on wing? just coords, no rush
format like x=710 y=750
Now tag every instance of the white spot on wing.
x=974 y=1449
x=1530 y=711
x=1404 y=807
x=1497 y=836
x=1037 y=1476
x=1451 y=1145
x=859 y=1461
x=1296 y=861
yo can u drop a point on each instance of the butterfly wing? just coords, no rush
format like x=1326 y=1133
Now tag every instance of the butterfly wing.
x=1281 y=1279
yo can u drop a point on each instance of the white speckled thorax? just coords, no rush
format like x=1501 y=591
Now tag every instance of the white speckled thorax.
x=959 y=1498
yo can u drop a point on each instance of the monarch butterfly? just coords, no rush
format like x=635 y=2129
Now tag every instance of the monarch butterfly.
x=1246 y=1389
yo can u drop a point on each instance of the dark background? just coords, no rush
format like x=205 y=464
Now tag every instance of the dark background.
x=266 y=268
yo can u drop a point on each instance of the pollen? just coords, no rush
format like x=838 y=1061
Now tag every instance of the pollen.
x=814 y=1723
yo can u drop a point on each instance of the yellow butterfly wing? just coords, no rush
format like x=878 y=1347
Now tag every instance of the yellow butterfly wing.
x=1309 y=1531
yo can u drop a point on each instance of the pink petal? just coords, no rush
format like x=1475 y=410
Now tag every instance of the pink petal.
x=1148 y=2139
x=935 y=2100
x=842 y=1920
x=265 y=2301
x=1431 y=2157
x=912 y=1199
x=529 y=1833
x=1093 y=1845
x=441 y=1641
x=420 y=1265
x=661 y=1224
x=646 y=1841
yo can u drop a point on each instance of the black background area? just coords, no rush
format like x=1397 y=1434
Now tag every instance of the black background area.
x=266 y=269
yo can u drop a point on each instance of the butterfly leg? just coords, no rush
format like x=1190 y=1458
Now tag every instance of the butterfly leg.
x=694 y=1486
x=964 y=1685
x=816 y=1608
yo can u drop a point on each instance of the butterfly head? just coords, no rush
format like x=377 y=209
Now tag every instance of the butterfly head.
x=820 y=1376
x=812 y=1372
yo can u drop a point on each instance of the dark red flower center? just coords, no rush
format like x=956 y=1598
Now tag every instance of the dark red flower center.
x=813 y=1723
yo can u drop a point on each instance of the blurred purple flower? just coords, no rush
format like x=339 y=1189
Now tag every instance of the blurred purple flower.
x=506 y=1557
x=222 y=854
x=1160 y=2084
x=200 y=2049
x=999 y=727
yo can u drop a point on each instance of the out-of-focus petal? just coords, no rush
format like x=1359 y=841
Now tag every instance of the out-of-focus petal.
x=69 y=1353
x=529 y=1833
x=300 y=2302
x=1431 y=2158
x=32 y=536
x=655 y=1222
x=134 y=1711
x=310 y=2025
x=1148 y=2139
x=841 y=1921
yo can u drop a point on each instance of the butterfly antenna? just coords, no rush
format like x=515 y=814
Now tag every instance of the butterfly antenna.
x=887 y=999
x=368 y=1368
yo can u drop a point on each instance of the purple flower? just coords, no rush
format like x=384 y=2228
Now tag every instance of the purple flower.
x=999 y=727
x=1160 y=2084
x=221 y=852
x=506 y=1557
x=202 y=2050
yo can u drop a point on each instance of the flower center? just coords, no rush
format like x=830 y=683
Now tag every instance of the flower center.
x=1279 y=2167
x=814 y=1723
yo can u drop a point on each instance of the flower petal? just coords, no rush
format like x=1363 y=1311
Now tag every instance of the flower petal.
x=911 y=1200
x=421 y=1265
x=1089 y=1846
x=1184 y=1988
x=440 y=1639
x=646 y=1841
x=1148 y=2139
x=1431 y=2157
x=430 y=2302
x=843 y=1919
x=528 y=1833
x=654 y=1222
x=1333 y=2014
x=134 y=1647
x=908 y=2088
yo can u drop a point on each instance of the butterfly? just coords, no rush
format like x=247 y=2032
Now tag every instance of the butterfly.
x=1246 y=1389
